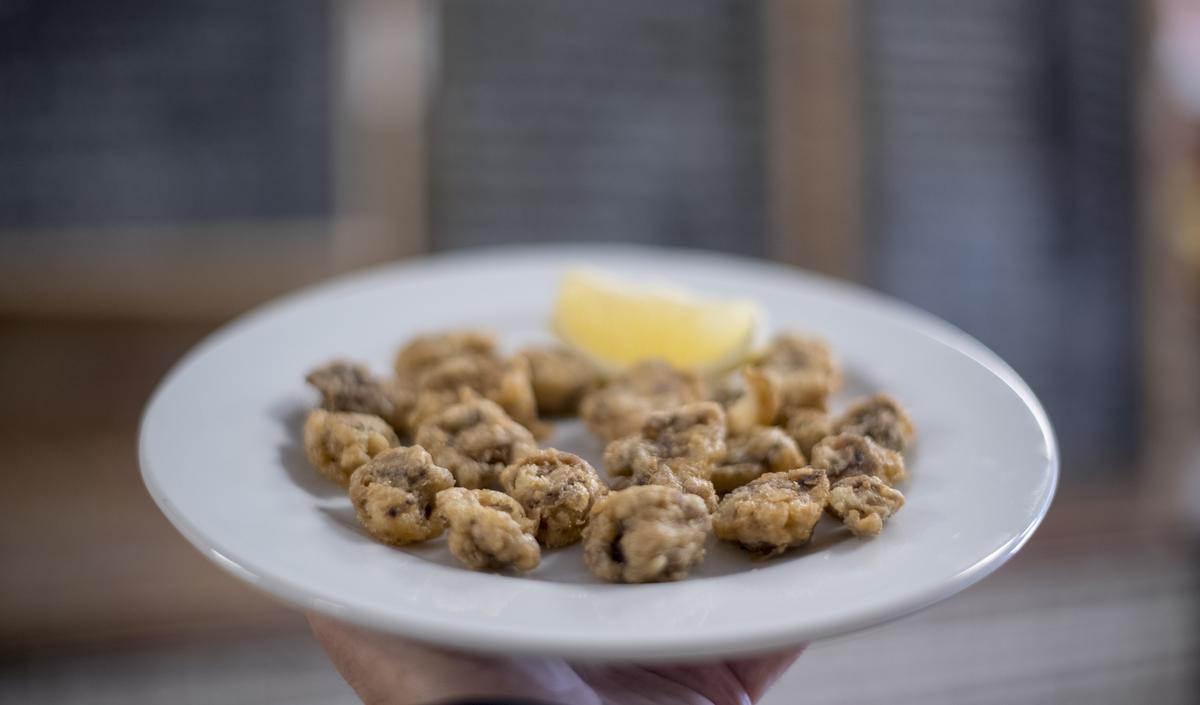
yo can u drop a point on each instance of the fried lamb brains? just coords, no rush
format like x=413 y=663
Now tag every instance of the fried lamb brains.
x=621 y=407
x=863 y=502
x=514 y=393
x=475 y=440
x=393 y=495
x=791 y=353
x=803 y=369
x=625 y=456
x=645 y=534
x=560 y=377
x=345 y=386
x=751 y=397
x=762 y=450
x=338 y=442
x=808 y=427
x=683 y=478
x=880 y=418
x=557 y=490
x=693 y=433
x=691 y=436
x=505 y=382
x=425 y=351
x=850 y=454
x=775 y=512
x=403 y=397
x=488 y=530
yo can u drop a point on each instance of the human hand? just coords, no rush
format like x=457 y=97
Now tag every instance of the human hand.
x=386 y=670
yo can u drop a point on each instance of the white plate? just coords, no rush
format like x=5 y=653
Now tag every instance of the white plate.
x=221 y=454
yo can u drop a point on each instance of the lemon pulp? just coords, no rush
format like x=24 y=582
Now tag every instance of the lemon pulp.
x=619 y=322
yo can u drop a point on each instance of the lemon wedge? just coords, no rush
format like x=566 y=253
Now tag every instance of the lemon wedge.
x=618 y=322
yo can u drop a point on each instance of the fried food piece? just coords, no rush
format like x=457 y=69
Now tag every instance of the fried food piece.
x=848 y=454
x=514 y=393
x=488 y=530
x=504 y=382
x=751 y=397
x=762 y=450
x=621 y=407
x=393 y=495
x=808 y=427
x=426 y=351
x=404 y=398
x=803 y=391
x=346 y=386
x=475 y=440
x=624 y=456
x=688 y=479
x=691 y=436
x=445 y=383
x=557 y=491
x=803 y=370
x=863 y=502
x=338 y=442
x=428 y=403
x=774 y=512
x=880 y=418
x=792 y=353
x=645 y=534
x=561 y=377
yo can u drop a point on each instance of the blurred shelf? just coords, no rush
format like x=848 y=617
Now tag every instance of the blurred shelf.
x=179 y=272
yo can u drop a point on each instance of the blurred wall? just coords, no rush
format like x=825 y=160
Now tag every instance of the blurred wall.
x=134 y=112
x=577 y=120
x=1001 y=146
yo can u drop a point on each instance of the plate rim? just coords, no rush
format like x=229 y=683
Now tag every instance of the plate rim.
x=655 y=648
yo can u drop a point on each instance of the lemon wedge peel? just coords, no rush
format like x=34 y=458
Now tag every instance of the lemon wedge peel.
x=617 y=322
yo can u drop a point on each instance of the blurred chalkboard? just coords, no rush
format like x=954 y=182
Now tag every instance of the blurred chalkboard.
x=621 y=120
x=1001 y=151
x=139 y=112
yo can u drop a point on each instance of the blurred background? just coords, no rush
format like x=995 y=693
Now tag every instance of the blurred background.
x=1028 y=170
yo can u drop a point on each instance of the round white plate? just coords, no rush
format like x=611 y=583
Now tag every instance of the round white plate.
x=221 y=454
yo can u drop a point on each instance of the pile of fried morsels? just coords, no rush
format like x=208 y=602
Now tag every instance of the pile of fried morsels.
x=449 y=443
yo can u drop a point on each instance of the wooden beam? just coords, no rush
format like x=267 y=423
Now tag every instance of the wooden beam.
x=384 y=53
x=206 y=272
x=814 y=187
x=1169 y=239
